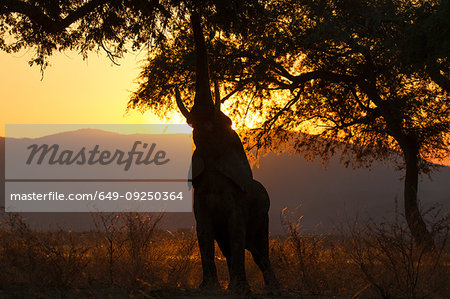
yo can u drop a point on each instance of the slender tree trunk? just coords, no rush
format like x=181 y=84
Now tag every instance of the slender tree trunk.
x=416 y=224
x=410 y=149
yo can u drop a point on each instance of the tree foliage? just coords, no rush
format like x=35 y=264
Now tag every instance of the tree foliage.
x=345 y=68
x=114 y=26
x=48 y=27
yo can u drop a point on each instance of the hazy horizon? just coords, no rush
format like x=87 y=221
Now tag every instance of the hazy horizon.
x=293 y=182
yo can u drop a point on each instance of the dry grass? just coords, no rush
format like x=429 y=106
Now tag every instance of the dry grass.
x=126 y=255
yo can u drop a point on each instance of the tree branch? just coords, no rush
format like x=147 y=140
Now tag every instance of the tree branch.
x=50 y=25
x=282 y=71
x=438 y=78
x=327 y=76
x=239 y=87
x=80 y=13
x=286 y=107
x=358 y=100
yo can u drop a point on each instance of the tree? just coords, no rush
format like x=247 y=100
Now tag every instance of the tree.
x=370 y=76
x=114 y=26
x=363 y=73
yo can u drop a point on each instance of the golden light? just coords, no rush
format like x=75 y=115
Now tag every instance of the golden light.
x=72 y=91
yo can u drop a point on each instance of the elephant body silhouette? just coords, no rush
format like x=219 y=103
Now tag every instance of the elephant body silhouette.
x=230 y=207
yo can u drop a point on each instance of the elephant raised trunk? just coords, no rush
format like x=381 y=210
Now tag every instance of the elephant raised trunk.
x=203 y=102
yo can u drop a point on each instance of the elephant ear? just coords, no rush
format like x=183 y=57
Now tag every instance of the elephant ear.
x=197 y=167
x=233 y=164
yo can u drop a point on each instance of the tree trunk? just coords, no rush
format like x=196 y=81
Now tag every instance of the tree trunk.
x=416 y=224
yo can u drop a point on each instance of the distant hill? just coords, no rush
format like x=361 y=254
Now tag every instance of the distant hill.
x=325 y=196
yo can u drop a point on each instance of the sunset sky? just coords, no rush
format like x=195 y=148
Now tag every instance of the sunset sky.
x=72 y=91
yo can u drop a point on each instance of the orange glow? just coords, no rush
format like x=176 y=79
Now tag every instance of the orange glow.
x=72 y=91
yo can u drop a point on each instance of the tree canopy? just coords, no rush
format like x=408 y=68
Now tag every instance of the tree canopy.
x=114 y=26
x=330 y=63
x=364 y=73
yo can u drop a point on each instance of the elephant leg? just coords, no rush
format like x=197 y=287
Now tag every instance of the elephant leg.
x=259 y=247
x=238 y=281
x=206 y=245
x=224 y=245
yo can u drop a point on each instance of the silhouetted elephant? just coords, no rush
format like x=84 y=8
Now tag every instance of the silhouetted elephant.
x=229 y=206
